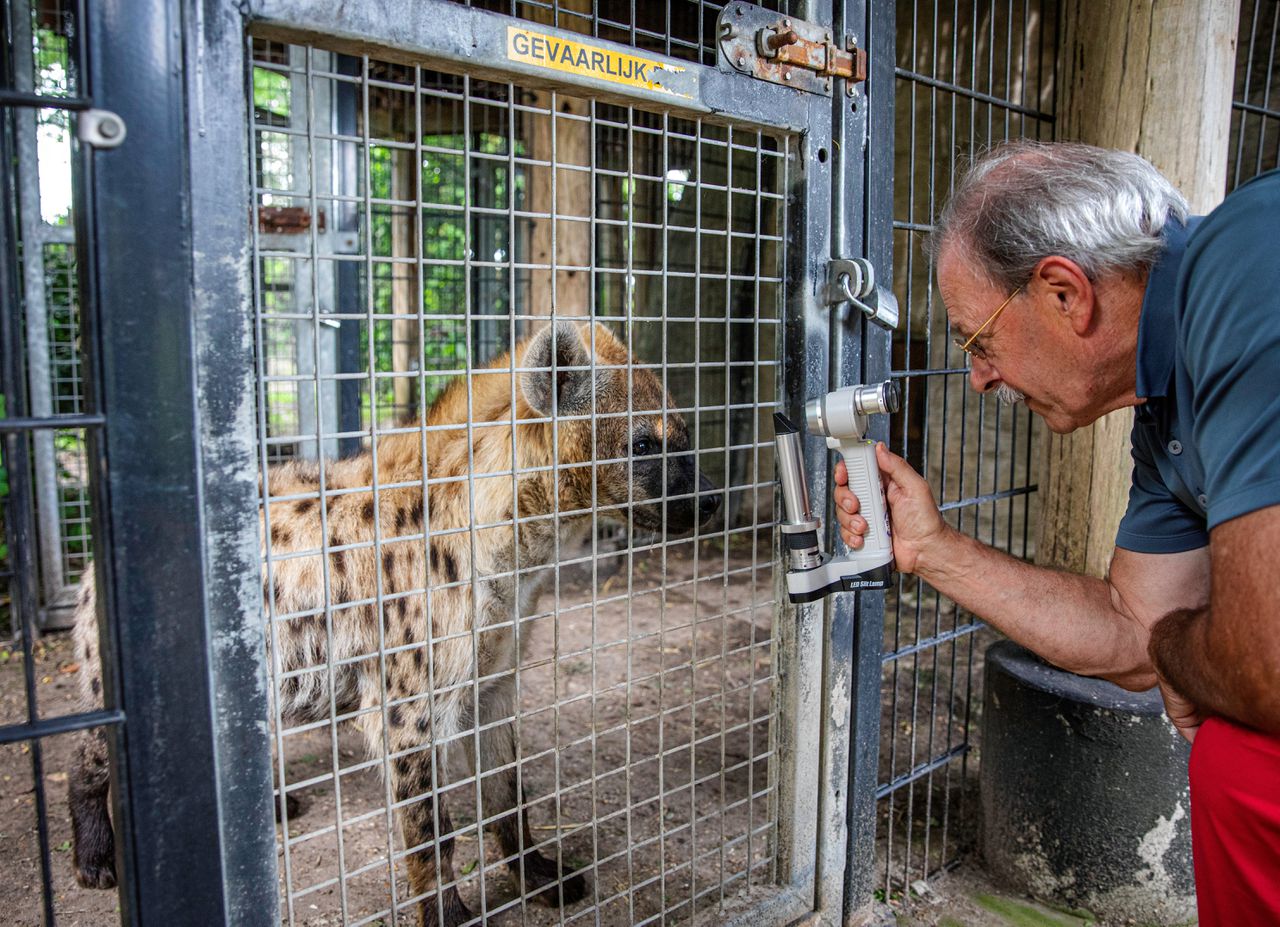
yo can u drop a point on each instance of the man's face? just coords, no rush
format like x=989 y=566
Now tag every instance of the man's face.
x=1027 y=349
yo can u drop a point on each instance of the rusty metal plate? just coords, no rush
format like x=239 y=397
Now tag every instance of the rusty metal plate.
x=786 y=50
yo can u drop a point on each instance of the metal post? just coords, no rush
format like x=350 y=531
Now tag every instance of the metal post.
x=180 y=484
x=869 y=123
x=807 y=358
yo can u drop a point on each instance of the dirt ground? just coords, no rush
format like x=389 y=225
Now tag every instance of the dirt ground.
x=20 y=889
x=619 y=704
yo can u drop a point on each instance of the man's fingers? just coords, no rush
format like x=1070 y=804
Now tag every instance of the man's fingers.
x=841 y=474
x=846 y=501
x=852 y=540
x=894 y=467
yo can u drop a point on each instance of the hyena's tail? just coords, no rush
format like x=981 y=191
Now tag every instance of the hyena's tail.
x=89 y=777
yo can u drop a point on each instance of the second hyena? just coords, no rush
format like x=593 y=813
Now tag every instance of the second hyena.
x=392 y=604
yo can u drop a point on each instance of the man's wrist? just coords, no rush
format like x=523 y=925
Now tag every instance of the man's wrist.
x=937 y=557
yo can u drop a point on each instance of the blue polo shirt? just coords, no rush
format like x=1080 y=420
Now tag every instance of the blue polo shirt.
x=1206 y=443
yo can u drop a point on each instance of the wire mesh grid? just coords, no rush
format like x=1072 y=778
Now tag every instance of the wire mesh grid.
x=435 y=721
x=1255 y=108
x=44 y=146
x=66 y=386
x=679 y=30
x=971 y=74
x=43 y=422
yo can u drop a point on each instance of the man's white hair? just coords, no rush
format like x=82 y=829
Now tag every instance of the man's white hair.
x=1023 y=201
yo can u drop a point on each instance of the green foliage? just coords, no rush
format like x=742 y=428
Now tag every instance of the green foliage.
x=271 y=92
x=1017 y=913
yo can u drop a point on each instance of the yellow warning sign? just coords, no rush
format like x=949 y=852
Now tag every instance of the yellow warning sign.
x=569 y=56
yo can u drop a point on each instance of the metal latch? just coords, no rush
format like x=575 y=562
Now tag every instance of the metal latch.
x=788 y=51
x=852 y=282
x=100 y=128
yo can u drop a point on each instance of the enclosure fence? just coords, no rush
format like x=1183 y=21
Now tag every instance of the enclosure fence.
x=1254 y=145
x=969 y=75
x=443 y=216
x=48 y=422
x=519 y=660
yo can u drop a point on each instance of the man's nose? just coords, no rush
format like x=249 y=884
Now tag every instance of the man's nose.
x=982 y=376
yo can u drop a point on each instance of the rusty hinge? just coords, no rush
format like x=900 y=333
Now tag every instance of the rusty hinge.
x=288 y=220
x=789 y=51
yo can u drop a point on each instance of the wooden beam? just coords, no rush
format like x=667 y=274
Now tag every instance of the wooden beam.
x=562 y=241
x=1155 y=78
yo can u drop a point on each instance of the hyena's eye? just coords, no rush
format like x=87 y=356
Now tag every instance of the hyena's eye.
x=642 y=447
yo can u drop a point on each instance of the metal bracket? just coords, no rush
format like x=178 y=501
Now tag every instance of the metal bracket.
x=852 y=282
x=101 y=128
x=786 y=50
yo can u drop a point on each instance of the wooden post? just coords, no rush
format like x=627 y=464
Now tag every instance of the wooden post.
x=406 y=288
x=1155 y=78
x=563 y=240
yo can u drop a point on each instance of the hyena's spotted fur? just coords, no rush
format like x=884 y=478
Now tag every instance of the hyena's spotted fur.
x=392 y=545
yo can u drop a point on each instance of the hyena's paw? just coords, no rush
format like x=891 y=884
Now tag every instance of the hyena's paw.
x=451 y=912
x=294 y=807
x=99 y=873
x=543 y=883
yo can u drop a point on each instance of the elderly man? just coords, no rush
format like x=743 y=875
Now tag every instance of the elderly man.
x=1077 y=284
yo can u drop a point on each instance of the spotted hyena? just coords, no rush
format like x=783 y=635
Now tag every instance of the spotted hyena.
x=589 y=436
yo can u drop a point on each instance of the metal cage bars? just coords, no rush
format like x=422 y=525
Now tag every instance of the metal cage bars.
x=30 y=417
x=42 y=40
x=1255 y=107
x=949 y=109
x=660 y=132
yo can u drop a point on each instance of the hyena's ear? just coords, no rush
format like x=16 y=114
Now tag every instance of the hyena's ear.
x=550 y=351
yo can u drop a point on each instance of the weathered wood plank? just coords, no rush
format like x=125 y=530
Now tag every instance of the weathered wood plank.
x=1155 y=77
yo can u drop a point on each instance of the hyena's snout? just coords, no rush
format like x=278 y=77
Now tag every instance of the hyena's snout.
x=691 y=498
x=709 y=498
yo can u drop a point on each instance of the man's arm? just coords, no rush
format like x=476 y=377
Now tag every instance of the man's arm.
x=1226 y=658
x=1085 y=625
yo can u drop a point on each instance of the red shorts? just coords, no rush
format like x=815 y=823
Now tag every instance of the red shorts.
x=1235 y=825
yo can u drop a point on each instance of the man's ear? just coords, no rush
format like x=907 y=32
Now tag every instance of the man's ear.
x=1065 y=285
x=546 y=383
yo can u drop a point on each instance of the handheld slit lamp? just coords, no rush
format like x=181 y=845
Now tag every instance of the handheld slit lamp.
x=841 y=416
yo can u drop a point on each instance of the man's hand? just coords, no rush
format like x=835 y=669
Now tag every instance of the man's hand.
x=1185 y=715
x=1226 y=658
x=915 y=521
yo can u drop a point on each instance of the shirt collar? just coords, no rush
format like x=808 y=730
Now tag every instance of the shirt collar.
x=1157 y=334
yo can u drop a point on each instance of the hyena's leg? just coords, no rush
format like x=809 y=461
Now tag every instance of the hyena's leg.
x=91 y=835
x=89 y=778
x=412 y=786
x=499 y=794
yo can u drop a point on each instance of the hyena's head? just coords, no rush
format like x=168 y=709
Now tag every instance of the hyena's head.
x=614 y=426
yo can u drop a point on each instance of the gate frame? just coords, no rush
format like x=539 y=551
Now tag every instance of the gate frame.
x=177 y=507
x=176 y=503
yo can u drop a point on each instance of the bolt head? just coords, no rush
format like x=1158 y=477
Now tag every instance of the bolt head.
x=108 y=128
x=742 y=61
x=786 y=24
x=786 y=75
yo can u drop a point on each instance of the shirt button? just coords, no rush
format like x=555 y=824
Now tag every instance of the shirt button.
x=1175 y=447
x=1203 y=500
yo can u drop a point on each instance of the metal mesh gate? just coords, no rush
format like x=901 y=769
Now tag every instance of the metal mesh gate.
x=969 y=75
x=44 y=33
x=414 y=226
x=1255 y=107
x=45 y=418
